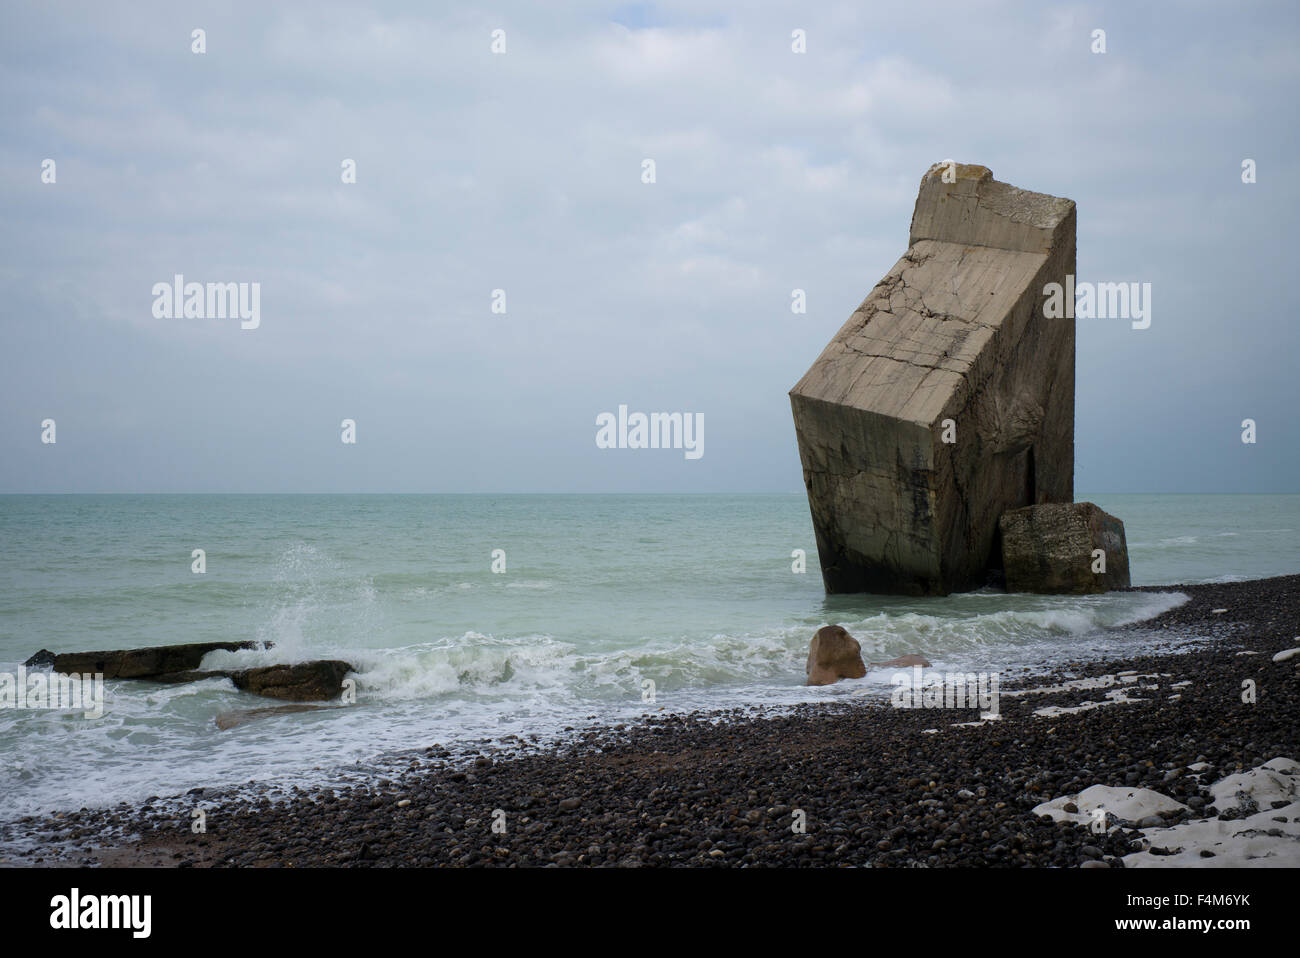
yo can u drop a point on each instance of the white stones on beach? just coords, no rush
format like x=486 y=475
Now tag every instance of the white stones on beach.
x=1130 y=804
x=1286 y=654
x=984 y=719
x=1113 y=697
x=1263 y=836
x=1274 y=781
x=1116 y=682
x=1258 y=841
x=1094 y=682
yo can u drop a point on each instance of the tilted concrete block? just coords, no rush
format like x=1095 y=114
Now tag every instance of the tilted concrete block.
x=951 y=344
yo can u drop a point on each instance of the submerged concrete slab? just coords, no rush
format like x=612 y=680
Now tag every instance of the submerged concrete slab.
x=135 y=663
x=950 y=345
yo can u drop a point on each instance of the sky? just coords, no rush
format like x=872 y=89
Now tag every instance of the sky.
x=523 y=171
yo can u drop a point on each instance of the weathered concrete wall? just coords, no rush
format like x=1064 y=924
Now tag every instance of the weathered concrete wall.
x=1064 y=547
x=955 y=331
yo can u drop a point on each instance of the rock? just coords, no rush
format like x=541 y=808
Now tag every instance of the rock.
x=1257 y=788
x=1119 y=804
x=231 y=719
x=833 y=655
x=948 y=397
x=135 y=663
x=903 y=662
x=1050 y=548
x=305 y=682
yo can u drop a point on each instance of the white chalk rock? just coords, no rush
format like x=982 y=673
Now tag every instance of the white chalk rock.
x=1240 y=843
x=1243 y=843
x=1131 y=804
x=1263 y=838
x=1274 y=781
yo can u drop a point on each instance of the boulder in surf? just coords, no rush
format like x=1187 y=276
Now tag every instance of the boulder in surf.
x=833 y=655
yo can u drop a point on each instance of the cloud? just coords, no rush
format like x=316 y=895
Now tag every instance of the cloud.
x=522 y=172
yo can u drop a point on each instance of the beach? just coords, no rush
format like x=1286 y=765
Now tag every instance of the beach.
x=601 y=602
x=848 y=783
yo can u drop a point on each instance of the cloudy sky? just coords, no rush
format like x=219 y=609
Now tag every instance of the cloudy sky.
x=522 y=171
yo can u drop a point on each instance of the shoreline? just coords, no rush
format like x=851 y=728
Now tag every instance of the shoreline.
x=876 y=785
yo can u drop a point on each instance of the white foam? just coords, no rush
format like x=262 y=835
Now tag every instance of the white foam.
x=1171 y=542
x=417 y=687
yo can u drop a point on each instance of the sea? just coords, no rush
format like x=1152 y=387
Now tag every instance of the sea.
x=470 y=619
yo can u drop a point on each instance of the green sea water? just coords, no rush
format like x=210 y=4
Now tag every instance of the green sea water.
x=599 y=595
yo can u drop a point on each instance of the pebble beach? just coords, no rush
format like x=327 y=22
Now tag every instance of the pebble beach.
x=844 y=784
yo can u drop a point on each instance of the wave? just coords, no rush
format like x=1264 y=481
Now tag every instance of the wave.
x=481 y=665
